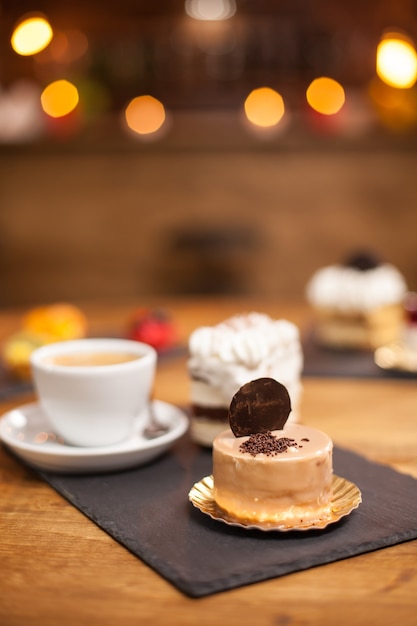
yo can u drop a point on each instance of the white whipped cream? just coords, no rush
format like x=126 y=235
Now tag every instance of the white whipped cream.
x=243 y=348
x=349 y=289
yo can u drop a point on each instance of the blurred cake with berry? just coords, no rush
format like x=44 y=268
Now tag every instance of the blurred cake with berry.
x=155 y=327
x=409 y=332
x=224 y=357
x=402 y=354
x=357 y=304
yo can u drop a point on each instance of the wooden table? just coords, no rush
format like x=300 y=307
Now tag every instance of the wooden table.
x=59 y=568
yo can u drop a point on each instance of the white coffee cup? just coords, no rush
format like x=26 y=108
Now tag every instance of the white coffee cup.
x=89 y=399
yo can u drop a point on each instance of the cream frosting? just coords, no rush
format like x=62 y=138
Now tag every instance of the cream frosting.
x=242 y=348
x=292 y=485
x=348 y=289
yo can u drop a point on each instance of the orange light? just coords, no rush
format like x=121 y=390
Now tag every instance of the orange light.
x=264 y=107
x=69 y=46
x=396 y=108
x=59 y=98
x=325 y=95
x=145 y=115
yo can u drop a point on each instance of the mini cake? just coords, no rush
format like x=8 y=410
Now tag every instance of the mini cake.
x=268 y=470
x=154 y=327
x=224 y=357
x=358 y=304
x=409 y=333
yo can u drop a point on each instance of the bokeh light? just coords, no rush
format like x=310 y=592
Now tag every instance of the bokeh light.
x=325 y=95
x=31 y=36
x=396 y=62
x=145 y=115
x=59 y=98
x=264 y=107
x=210 y=10
x=69 y=46
x=21 y=117
x=395 y=108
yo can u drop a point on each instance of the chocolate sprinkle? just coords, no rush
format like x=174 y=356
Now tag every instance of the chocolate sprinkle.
x=267 y=443
x=260 y=406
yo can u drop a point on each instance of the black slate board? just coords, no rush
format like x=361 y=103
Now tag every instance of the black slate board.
x=321 y=361
x=147 y=510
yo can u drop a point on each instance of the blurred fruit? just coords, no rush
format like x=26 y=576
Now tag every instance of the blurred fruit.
x=154 y=327
x=410 y=307
x=41 y=325
x=17 y=350
x=60 y=321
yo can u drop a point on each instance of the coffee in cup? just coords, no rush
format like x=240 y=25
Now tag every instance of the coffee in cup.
x=94 y=392
x=87 y=359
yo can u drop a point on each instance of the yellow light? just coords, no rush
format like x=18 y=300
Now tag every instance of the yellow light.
x=145 y=115
x=31 y=36
x=59 y=98
x=264 y=107
x=396 y=62
x=325 y=95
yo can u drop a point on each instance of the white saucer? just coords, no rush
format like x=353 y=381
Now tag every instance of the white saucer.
x=27 y=432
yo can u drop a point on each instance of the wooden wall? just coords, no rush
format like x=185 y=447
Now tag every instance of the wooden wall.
x=97 y=224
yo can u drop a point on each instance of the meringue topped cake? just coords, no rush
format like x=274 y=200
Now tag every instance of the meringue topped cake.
x=224 y=357
x=268 y=470
x=357 y=304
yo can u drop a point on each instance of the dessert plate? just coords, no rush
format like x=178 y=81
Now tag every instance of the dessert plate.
x=396 y=356
x=346 y=498
x=27 y=432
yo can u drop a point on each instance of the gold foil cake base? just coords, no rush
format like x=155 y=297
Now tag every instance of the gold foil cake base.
x=346 y=497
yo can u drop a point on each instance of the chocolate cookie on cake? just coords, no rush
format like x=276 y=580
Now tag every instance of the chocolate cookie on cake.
x=357 y=304
x=266 y=469
x=224 y=357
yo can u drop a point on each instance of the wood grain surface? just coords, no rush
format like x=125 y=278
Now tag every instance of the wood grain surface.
x=59 y=568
